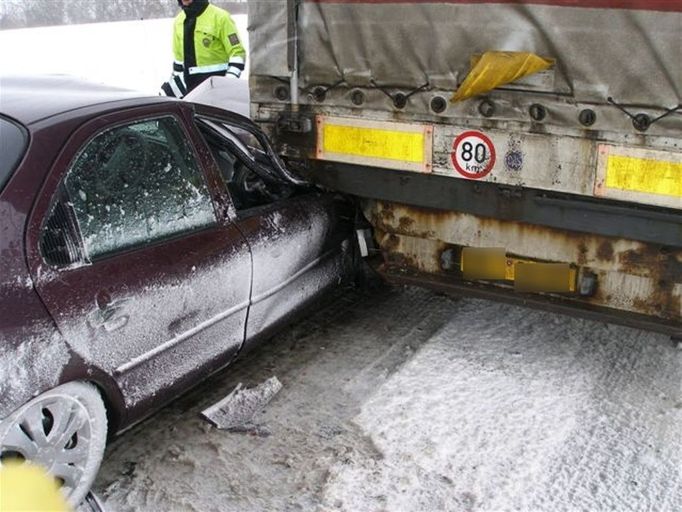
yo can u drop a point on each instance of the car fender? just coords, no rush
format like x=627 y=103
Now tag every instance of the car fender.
x=32 y=359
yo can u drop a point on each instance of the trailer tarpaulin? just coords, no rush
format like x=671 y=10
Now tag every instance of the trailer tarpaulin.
x=625 y=49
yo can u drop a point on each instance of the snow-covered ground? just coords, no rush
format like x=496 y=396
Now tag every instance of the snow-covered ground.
x=405 y=401
x=130 y=54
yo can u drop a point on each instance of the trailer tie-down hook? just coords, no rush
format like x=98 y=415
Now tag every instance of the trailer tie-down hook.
x=319 y=92
x=399 y=99
x=642 y=122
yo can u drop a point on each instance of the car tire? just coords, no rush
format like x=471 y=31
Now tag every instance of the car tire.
x=64 y=430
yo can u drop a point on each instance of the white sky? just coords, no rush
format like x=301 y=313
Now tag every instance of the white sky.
x=130 y=54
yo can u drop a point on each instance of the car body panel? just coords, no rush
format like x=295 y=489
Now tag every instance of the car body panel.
x=32 y=351
x=147 y=323
x=298 y=252
x=224 y=92
x=133 y=315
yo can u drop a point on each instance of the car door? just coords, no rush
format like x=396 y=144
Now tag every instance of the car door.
x=300 y=238
x=143 y=277
x=301 y=248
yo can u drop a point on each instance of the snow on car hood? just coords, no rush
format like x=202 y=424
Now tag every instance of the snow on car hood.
x=223 y=92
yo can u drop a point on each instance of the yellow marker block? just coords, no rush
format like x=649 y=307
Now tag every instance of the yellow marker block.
x=374 y=143
x=644 y=175
x=544 y=277
x=492 y=264
x=488 y=263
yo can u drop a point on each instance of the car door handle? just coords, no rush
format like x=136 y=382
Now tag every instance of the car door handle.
x=109 y=315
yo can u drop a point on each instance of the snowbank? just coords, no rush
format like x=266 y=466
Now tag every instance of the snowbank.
x=130 y=54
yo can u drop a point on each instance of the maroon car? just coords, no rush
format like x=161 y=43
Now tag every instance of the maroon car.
x=144 y=243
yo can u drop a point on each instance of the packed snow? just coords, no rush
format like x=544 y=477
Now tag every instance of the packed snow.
x=402 y=400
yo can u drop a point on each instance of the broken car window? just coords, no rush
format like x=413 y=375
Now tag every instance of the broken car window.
x=244 y=165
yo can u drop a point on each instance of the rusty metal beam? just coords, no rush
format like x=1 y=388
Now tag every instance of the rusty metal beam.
x=449 y=285
x=580 y=214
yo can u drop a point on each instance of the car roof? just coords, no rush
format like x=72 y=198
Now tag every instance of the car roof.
x=29 y=99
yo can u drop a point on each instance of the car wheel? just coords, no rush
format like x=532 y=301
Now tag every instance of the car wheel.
x=64 y=430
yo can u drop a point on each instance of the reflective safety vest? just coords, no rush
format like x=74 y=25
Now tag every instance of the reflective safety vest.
x=217 y=47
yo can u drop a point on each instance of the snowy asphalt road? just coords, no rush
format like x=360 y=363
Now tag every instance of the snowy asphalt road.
x=404 y=400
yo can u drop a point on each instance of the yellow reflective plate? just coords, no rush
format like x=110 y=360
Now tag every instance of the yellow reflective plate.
x=380 y=144
x=640 y=175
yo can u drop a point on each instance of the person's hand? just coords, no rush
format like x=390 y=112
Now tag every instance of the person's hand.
x=234 y=72
x=175 y=87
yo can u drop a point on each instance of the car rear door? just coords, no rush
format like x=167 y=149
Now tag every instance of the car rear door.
x=133 y=255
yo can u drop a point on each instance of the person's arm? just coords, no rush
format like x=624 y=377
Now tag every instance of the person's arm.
x=235 y=50
x=175 y=86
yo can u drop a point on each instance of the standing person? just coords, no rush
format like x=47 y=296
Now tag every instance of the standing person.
x=205 y=44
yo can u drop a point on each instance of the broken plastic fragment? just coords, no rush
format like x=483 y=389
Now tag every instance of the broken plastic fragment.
x=236 y=411
x=495 y=69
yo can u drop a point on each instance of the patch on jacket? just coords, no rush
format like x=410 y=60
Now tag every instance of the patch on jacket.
x=234 y=39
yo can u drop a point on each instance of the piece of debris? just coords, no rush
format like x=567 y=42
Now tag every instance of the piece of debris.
x=236 y=411
x=91 y=503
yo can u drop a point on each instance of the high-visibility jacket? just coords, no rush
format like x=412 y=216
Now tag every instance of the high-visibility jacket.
x=217 y=47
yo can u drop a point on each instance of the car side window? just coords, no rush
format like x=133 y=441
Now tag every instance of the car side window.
x=133 y=185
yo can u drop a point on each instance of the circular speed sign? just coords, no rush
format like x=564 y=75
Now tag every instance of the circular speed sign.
x=473 y=155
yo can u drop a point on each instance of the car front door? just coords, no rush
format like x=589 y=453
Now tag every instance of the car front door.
x=145 y=277
x=300 y=238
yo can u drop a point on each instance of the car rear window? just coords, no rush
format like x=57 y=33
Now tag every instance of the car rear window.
x=13 y=142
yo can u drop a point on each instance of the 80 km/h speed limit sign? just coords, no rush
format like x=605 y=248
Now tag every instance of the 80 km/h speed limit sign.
x=473 y=155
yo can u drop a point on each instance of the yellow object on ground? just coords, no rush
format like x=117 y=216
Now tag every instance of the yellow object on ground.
x=494 y=69
x=26 y=487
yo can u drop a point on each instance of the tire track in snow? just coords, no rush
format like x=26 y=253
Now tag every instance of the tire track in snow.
x=329 y=363
x=591 y=396
x=627 y=463
x=404 y=400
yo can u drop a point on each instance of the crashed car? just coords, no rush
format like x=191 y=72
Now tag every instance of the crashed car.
x=145 y=242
